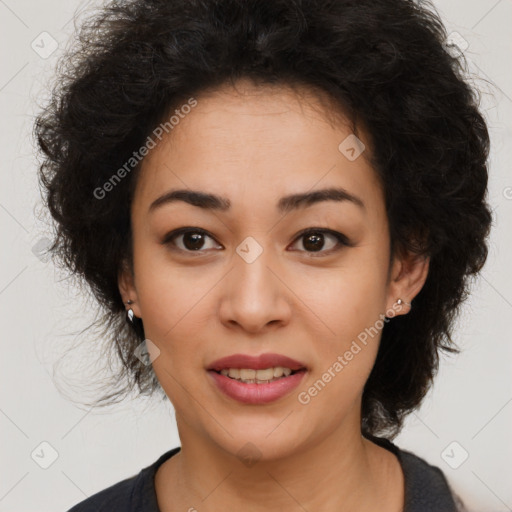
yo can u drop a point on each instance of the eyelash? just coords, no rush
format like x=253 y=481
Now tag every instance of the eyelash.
x=342 y=240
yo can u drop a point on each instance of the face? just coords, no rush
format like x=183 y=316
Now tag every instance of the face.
x=245 y=279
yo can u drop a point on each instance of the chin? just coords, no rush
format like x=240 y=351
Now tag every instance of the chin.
x=261 y=443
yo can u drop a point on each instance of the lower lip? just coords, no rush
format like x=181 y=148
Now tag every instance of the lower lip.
x=257 y=393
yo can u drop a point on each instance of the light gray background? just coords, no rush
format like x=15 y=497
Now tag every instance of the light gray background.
x=41 y=312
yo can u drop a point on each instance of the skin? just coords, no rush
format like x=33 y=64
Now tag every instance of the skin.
x=253 y=145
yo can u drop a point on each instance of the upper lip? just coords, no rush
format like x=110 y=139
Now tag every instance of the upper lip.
x=260 y=362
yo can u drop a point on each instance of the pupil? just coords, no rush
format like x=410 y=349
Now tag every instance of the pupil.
x=196 y=240
x=317 y=242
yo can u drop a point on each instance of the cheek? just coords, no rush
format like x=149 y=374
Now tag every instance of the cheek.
x=346 y=298
x=172 y=311
x=345 y=345
x=346 y=304
x=174 y=304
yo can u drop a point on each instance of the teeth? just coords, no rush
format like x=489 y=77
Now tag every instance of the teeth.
x=250 y=375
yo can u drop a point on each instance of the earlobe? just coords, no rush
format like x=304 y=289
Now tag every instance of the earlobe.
x=127 y=289
x=408 y=277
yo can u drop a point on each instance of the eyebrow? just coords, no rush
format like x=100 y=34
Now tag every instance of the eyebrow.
x=209 y=201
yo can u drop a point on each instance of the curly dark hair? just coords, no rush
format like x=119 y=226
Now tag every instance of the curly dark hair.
x=387 y=66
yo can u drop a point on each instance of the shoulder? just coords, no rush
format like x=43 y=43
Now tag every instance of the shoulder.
x=426 y=486
x=115 y=497
x=132 y=494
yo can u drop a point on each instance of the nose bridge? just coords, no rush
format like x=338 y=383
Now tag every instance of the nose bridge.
x=255 y=294
x=252 y=260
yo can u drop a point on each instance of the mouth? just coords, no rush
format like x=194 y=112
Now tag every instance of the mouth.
x=256 y=391
x=253 y=376
x=257 y=379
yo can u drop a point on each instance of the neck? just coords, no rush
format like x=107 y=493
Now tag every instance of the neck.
x=344 y=472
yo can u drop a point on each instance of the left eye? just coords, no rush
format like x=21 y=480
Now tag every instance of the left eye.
x=314 y=240
x=193 y=240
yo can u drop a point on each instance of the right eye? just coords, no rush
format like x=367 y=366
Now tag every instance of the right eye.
x=192 y=239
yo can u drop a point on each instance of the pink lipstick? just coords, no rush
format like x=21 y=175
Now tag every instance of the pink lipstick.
x=233 y=385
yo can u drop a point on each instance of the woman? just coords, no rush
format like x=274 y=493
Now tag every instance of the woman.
x=278 y=205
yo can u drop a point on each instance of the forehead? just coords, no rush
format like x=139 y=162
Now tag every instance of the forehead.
x=256 y=143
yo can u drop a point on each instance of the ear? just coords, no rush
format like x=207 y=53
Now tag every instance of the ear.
x=127 y=289
x=408 y=275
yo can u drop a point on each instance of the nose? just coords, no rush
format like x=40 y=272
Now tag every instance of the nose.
x=255 y=296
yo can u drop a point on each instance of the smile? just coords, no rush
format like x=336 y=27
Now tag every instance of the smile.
x=255 y=390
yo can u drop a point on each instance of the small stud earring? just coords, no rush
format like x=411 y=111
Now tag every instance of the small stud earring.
x=400 y=302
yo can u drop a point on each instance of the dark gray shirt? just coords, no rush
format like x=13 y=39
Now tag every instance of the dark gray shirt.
x=426 y=488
